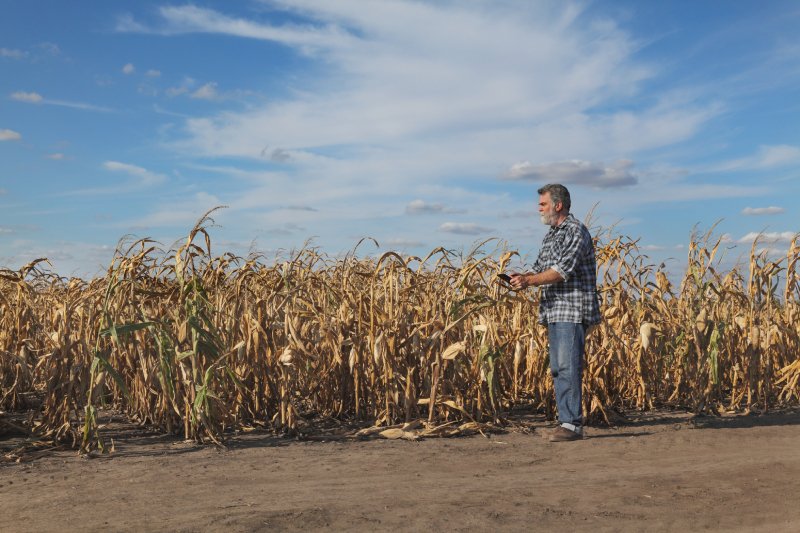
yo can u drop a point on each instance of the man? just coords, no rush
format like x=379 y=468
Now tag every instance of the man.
x=567 y=271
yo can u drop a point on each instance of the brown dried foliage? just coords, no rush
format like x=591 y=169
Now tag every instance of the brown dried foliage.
x=200 y=345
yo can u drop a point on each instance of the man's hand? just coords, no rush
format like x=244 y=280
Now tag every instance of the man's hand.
x=519 y=281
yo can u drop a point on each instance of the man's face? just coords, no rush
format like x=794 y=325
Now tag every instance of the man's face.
x=547 y=211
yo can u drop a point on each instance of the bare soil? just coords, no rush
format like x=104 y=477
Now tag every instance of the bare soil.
x=658 y=472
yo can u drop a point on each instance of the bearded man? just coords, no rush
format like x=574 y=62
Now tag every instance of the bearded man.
x=567 y=271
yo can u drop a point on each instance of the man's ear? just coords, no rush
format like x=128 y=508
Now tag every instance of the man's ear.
x=558 y=206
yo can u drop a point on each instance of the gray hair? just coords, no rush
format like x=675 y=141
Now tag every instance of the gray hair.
x=558 y=194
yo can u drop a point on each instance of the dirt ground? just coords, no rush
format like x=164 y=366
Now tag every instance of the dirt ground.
x=659 y=472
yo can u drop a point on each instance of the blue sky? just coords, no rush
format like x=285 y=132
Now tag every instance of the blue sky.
x=420 y=124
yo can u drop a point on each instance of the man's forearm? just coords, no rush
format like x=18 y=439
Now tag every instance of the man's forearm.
x=547 y=277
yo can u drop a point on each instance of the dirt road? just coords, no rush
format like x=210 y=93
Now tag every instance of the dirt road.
x=658 y=473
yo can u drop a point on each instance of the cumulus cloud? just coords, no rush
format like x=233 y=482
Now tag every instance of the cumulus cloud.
x=9 y=135
x=21 y=96
x=577 y=172
x=756 y=211
x=464 y=228
x=128 y=69
x=768 y=237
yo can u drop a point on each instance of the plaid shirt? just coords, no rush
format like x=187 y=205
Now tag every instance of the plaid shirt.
x=568 y=249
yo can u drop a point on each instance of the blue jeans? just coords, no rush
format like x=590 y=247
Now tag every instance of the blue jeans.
x=567 y=341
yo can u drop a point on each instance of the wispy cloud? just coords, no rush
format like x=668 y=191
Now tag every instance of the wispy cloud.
x=598 y=175
x=286 y=229
x=128 y=68
x=191 y=19
x=56 y=156
x=206 y=92
x=153 y=73
x=421 y=207
x=301 y=208
x=765 y=158
x=13 y=53
x=756 y=211
x=9 y=135
x=464 y=228
x=144 y=176
x=425 y=73
x=36 y=98
x=22 y=96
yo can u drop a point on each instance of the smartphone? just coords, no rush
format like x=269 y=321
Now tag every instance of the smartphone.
x=505 y=277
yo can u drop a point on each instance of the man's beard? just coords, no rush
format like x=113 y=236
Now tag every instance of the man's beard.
x=547 y=218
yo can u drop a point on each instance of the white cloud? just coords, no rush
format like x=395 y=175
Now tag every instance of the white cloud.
x=421 y=207
x=152 y=73
x=576 y=172
x=523 y=80
x=405 y=99
x=33 y=98
x=50 y=48
x=206 y=92
x=772 y=156
x=57 y=156
x=287 y=229
x=144 y=176
x=13 y=53
x=464 y=228
x=400 y=242
x=766 y=157
x=660 y=247
x=768 y=237
x=181 y=214
x=128 y=69
x=9 y=135
x=755 y=211
x=186 y=85
x=300 y=208
x=36 y=98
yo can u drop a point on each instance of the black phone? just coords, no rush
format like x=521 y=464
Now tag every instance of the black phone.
x=505 y=277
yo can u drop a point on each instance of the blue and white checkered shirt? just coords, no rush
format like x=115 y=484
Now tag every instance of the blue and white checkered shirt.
x=568 y=249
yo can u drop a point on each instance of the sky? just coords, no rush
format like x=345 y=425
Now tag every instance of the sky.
x=418 y=124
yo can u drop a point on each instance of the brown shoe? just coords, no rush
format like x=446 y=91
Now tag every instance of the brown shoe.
x=562 y=434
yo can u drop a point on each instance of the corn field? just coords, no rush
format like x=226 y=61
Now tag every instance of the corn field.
x=198 y=345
